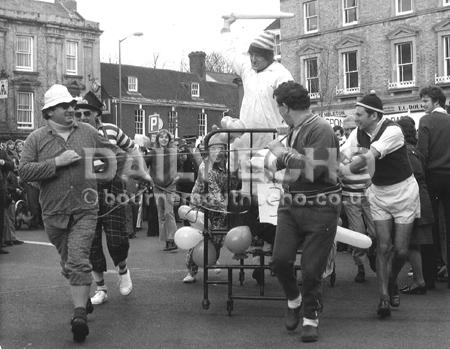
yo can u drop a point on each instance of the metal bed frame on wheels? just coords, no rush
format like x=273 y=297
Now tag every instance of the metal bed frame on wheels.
x=262 y=266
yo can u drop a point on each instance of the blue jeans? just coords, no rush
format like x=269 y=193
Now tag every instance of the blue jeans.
x=313 y=227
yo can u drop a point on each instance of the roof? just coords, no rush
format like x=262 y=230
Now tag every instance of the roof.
x=221 y=78
x=44 y=12
x=275 y=25
x=164 y=87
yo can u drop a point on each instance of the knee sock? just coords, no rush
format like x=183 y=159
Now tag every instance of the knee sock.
x=295 y=303
x=122 y=267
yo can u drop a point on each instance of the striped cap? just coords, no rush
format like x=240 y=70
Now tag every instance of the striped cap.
x=265 y=41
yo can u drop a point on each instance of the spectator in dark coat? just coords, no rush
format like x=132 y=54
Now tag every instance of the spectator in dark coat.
x=421 y=243
x=6 y=165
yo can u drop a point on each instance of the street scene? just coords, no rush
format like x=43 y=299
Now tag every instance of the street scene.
x=210 y=174
x=162 y=312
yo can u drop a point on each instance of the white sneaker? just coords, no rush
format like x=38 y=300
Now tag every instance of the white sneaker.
x=189 y=279
x=125 y=284
x=99 y=297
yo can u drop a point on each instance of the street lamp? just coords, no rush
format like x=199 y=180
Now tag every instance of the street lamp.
x=120 y=76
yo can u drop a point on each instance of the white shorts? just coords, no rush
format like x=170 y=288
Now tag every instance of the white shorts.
x=398 y=201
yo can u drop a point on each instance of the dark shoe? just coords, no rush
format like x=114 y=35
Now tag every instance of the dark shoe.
x=258 y=276
x=292 y=318
x=2 y=251
x=414 y=290
x=80 y=328
x=132 y=236
x=89 y=307
x=9 y=243
x=167 y=246
x=17 y=242
x=394 y=295
x=361 y=275
x=384 y=309
x=310 y=334
x=171 y=246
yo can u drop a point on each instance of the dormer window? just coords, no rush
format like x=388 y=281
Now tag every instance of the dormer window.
x=132 y=84
x=195 y=89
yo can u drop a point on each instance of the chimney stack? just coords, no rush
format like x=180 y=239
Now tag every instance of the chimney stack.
x=71 y=5
x=197 y=63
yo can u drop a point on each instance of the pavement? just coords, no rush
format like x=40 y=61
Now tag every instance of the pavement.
x=162 y=312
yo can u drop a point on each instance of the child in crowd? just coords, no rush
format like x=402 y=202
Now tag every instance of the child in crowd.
x=210 y=190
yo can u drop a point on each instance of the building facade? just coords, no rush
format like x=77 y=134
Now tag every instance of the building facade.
x=42 y=44
x=342 y=49
x=188 y=104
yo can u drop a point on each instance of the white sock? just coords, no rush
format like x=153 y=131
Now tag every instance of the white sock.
x=310 y=322
x=295 y=303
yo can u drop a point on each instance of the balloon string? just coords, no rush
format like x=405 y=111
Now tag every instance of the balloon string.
x=198 y=205
x=122 y=203
x=181 y=153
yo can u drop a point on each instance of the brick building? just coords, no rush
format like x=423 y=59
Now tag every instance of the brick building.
x=42 y=43
x=186 y=103
x=342 y=49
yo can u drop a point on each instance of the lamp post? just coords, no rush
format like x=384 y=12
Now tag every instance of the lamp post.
x=120 y=76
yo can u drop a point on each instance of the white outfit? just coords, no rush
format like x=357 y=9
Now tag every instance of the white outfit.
x=259 y=109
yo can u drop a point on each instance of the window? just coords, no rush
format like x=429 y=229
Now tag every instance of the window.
x=173 y=122
x=25 y=110
x=404 y=63
x=139 y=121
x=132 y=84
x=403 y=7
x=446 y=55
x=277 y=50
x=311 y=19
x=312 y=75
x=72 y=57
x=24 y=53
x=195 y=89
x=202 y=123
x=351 y=75
x=350 y=11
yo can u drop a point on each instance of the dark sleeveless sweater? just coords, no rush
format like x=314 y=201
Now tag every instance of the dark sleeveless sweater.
x=394 y=167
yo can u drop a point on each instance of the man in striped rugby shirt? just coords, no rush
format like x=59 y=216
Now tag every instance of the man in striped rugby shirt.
x=112 y=216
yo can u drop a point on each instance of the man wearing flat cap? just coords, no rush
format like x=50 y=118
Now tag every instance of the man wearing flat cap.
x=393 y=195
x=56 y=156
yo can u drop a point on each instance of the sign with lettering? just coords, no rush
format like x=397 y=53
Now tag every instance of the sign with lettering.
x=155 y=123
x=403 y=108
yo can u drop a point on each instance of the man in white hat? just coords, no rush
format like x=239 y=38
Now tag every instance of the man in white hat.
x=260 y=75
x=57 y=156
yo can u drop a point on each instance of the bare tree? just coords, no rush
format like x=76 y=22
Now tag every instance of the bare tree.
x=184 y=67
x=327 y=82
x=156 y=57
x=215 y=62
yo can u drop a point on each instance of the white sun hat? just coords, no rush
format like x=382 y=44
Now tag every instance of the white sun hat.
x=55 y=95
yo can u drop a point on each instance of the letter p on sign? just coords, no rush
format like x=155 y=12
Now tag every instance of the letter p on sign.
x=155 y=123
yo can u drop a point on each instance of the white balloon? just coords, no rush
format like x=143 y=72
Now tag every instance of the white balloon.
x=194 y=217
x=187 y=237
x=353 y=238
